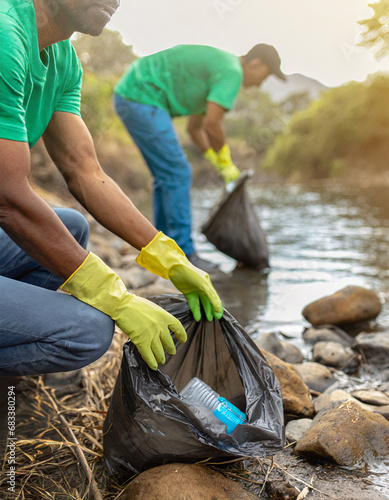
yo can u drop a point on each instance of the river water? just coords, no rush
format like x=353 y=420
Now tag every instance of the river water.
x=320 y=240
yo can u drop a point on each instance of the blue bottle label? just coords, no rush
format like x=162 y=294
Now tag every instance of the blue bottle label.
x=229 y=414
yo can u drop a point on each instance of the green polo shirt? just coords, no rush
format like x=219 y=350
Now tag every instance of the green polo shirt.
x=33 y=85
x=183 y=79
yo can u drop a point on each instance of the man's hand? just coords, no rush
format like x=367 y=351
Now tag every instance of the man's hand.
x=162 y=256
x=223 y=163
x=146 y=324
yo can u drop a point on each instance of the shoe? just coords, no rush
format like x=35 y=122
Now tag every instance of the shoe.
x=203 y=264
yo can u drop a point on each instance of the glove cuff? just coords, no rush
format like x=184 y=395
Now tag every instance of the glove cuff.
x=96 y=284
x=224 y=155
x=211 y=155
x=160 y=255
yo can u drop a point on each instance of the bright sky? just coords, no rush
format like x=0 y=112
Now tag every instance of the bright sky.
x=317 y=38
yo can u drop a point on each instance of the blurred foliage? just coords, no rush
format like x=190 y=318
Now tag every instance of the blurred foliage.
x=345 y=122
x=104 y=59
x=258 y=120
x=376 y=34
x=106 y=54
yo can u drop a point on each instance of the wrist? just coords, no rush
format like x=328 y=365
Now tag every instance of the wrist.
x=210 y=155
x=96 y=284
x=224 y=155
x=160 y=255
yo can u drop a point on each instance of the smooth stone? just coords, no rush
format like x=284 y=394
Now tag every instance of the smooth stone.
x=283 y=350
x=295 y=429
x=325 y=399
x=295 y=393
x=292 y=354
x=352 y=304
x=329 y=333
x=136 y=277
x=179 y=481
x=159 y=287
x=371 y=397
x=317 y=377
x=335 y=355
x=346 y=435
x=374 y=348
x=128 y=261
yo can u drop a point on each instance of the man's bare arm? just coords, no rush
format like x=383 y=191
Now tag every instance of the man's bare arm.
x=70 y=145
x=213 y=125
x=28 y=220
x=197 y=132
x=207 y=130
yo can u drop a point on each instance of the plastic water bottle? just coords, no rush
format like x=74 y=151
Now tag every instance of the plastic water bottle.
x=197 y=391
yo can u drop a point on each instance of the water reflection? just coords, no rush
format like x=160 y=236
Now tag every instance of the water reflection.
x=320 y=240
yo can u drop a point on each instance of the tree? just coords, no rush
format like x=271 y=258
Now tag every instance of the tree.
x=376 y=34
x=348 y=125
x=104 y=59
x=106 y=54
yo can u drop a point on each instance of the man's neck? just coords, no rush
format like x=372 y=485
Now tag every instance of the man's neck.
x=49 y=30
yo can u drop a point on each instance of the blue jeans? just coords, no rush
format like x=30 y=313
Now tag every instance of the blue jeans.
x=152 y=131
x=41 y=330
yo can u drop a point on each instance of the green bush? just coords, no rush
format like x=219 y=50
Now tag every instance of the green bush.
x=346 y=119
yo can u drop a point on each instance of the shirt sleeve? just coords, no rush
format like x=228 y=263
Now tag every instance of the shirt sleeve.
x=13 y=71
x=224 y=86
x=70 y=100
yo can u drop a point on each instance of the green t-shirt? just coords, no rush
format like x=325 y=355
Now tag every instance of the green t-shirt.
x=33 y=85
x=183 y=79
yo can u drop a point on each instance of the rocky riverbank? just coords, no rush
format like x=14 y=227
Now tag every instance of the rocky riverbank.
x=336 y=426
x=335 y=397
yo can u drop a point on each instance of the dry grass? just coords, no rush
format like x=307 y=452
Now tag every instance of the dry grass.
x=59 y=447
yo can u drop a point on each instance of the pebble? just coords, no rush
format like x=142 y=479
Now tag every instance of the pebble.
x=317 y=377
x=335 y=355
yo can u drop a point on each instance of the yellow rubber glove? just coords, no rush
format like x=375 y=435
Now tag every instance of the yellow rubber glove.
x=162 y=256
x=223 y=162
x=146 y=324
x=211 y=156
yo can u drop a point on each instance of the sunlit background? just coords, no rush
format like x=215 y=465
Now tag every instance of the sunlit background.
x=317 y=38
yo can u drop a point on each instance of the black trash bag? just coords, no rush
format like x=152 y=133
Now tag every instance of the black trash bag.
x=149 y=424
x=234 y=229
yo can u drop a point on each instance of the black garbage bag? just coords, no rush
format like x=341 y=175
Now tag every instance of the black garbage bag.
x=234 y=229
x=149 y=423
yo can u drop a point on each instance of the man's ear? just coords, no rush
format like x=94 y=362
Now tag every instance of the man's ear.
x=255 y=63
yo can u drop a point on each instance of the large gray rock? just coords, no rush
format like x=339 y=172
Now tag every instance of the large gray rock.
x=317 y=377
x=184 y=482
x=335 y=355
x=374 y=348
x=352 y=304
x=346 y=435
x=283 y=350
x=329 y=333
x=295 y=393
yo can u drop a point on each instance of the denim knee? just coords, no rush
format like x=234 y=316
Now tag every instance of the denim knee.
x=76 y=224
x=92 y=337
